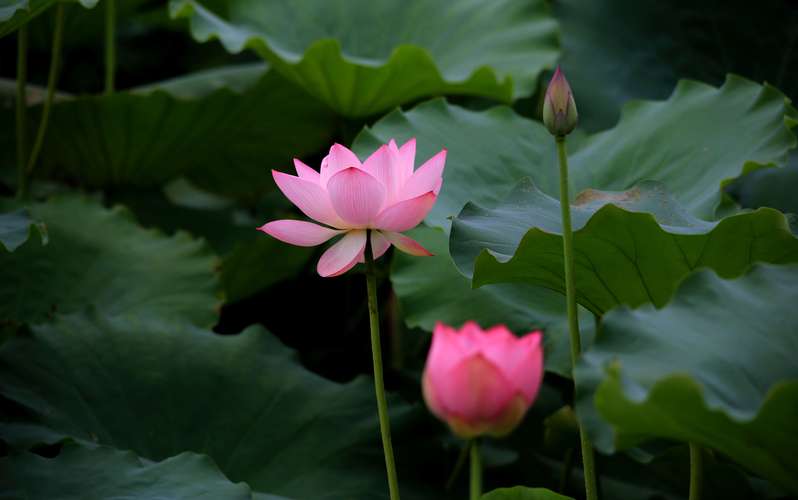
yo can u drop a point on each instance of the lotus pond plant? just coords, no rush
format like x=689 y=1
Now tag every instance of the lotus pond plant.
x=192 y=193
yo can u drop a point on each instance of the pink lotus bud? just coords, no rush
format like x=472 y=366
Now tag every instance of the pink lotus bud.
x=482 y=382
x=559 y=108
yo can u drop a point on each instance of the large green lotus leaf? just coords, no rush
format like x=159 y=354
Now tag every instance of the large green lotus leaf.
x=431 y=289
x=102 y=473
x=15 y=229
x=243 y=400
x=617 y=50
x=769 y=187
x=223 y=140
x=250 y=260
x=698 y=139
x=714 y=367
x=16 y=13
x=487 y=151
x=523 y=493
x=102 y=257
x=363 y=57
x=632 y=247
x=259 y=262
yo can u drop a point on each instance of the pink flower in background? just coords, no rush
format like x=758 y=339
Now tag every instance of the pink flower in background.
x=482 y=381
x=348 y=197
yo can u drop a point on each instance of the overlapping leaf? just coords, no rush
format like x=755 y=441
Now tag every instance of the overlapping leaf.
x=698 y=139
x=364 y=57
x=242 y=400
x=86 y=472
x=223 y=140
x=626 y=49
x=101 y=257
x=713 y=367
x=681 y=142
x=632 y=247
x=694 y=142
x=771 y=187
x=16 y=228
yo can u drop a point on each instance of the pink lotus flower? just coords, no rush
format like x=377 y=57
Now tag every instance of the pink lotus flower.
x=383 y=194
x=482 y=382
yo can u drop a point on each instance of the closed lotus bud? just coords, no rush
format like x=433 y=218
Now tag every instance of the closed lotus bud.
x=482 y=381
x=559 y=108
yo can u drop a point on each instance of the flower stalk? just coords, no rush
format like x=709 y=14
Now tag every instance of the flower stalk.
x=110 y=45
x=21 y=108
x=379 y=384
x=55 y=62
x=570 y=299
x=560 y=118
x=696 y=472
x=476 y=471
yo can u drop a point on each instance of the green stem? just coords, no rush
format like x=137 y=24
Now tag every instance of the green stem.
x=110 y=45
x=696 y=471
x=566 y=470
x=476 y=471
x=55 y=62
x=22 y=105
x=379 y=385
x=461 y=460
x=573 y=323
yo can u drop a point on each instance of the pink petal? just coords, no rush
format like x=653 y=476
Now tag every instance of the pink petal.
x=500 y=332
x=305 y=172
x=407 y=159
x=379 y=245
x=383 y=164
x=444 y=353
x=343 y=255
x=426 y=178
x=297 y=232
x=406 y=214
x=428 y=391
x=475 y=389
x=407 y=245
x=340 y=158
x=521 y=359
x=356 y=196
x=470 y=337
x=526 y=369
x=308 y=197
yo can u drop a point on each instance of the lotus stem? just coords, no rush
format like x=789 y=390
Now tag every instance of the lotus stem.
x=110 y=45
x=379 y=384
x=476 y=471
x=573 y=322
x=461 y=460
x=55 y=62
x=21 y=108
x=696 y=471
x=568 y=466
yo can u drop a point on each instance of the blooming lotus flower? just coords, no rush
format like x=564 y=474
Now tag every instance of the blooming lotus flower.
x=383 y=194
x=559 y=108
x=482 y=381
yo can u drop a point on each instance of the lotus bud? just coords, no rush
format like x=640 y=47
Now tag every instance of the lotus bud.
x=559 y=108
x=481 y=382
